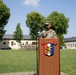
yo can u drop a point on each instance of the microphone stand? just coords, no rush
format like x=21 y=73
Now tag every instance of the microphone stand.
x=36 y=73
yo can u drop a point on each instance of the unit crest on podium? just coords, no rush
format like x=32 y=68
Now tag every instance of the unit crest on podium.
x=48 y=48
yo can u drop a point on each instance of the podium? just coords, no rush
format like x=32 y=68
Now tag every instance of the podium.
x=49 y=63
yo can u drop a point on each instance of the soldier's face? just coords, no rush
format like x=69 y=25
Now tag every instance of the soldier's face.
x=48 y=26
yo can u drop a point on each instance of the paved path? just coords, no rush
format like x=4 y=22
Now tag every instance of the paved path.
x=27 y=73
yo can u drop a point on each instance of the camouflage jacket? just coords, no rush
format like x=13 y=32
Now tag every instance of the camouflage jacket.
x=48 y=34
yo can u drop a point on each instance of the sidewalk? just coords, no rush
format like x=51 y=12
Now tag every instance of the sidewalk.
x=27 y=73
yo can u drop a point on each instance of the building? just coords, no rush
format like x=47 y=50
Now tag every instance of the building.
x=8 y=41
x=27 y=43
x=70 y=43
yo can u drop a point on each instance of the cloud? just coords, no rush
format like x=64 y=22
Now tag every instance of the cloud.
x=31 y=2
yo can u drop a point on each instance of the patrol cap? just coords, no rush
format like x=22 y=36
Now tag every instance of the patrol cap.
x=48 y=22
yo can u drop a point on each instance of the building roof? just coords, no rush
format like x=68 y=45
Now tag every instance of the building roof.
x=70 y=39
x=10 y=36
x=28 y=37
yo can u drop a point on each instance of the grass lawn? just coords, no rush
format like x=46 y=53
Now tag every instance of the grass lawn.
x=68 y=61
x=21 y=61
x=17 y=61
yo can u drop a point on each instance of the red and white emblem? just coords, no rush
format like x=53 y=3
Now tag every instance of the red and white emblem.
x=49 y=48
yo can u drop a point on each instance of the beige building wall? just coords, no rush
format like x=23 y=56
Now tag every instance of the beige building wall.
x=70 y=45
x=15 y=45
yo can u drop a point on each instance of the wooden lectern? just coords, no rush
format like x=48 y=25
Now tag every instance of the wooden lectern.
x=49 y=64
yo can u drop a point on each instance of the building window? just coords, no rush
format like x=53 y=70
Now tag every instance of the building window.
x=75 y=45
x=71 y=45
x=12 y=43
x=4 y=43
x=26 y=43
x=33 y=43
x=23 y=43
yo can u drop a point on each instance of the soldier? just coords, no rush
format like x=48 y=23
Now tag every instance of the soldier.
x=49 y=32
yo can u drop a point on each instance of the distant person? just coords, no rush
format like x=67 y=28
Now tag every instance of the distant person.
x=48 y=32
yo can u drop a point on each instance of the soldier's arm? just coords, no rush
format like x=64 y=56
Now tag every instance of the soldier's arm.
x=43 y=34
x=54 y=35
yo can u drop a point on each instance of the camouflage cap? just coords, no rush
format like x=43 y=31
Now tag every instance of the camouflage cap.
x=48 y=22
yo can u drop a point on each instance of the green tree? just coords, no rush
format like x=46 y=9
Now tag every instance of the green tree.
x=4 y=17
x=35 y=21
x=61 y=37
x=18 y=34
x=59 y=24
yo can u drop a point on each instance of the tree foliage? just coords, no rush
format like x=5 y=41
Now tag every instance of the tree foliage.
x=59 y=24
x=4 y=17
x=61 y=37
x=18 y=34
x=35 y=21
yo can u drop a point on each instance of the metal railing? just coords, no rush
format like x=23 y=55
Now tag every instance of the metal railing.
x=28 y=47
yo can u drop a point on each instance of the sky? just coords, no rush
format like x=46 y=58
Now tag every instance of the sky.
x=20 y=8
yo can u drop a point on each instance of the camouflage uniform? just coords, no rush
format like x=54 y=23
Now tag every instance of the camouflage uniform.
x=48 y=34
